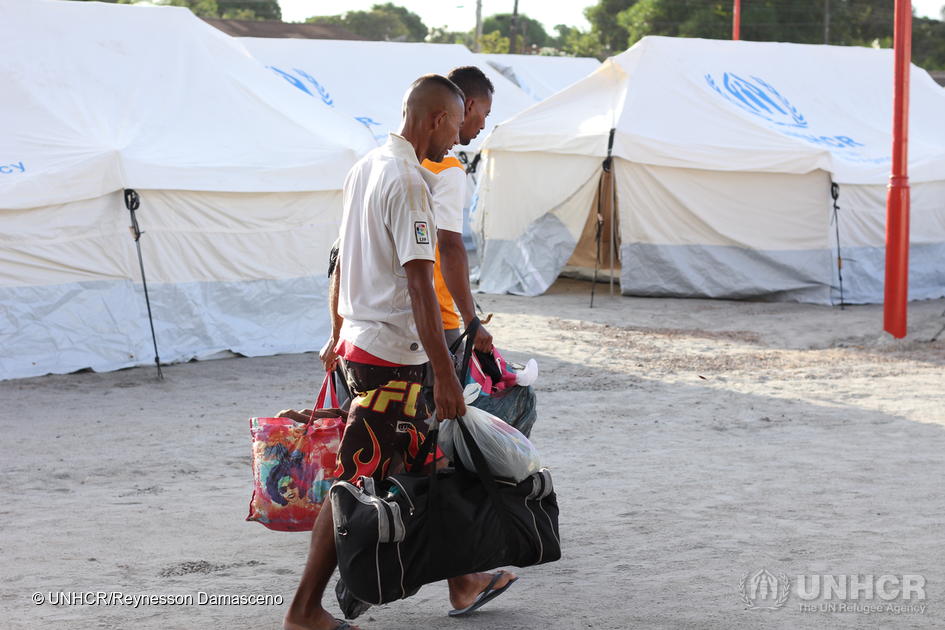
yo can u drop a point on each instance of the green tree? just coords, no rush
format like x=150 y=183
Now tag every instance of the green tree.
x=439 y=35
x=494 y=42
x=577 y=43
x=417 y=31
x=249 y=9
x=200 y=8
x=852 y=22
x=678 y=18
x=603 y=19
x=384 y=22
x=368 y=24
x=530 y=32
x=928 y=43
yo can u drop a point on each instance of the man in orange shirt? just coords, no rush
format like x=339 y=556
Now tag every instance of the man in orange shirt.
x=451 y=270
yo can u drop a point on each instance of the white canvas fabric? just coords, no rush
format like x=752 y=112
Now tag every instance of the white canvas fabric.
x=540 y=76
x=388 y=221
x=724 y=153
x=239 y=182
x=367 y=80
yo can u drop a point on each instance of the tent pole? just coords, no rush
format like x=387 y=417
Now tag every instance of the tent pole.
x=737 y=20
x=613 y=226
x=897 y=201
x=613 y=203
x=835 y=193
x=132 y=202
x=607 y=169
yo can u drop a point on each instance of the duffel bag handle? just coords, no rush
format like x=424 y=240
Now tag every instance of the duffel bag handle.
x=470 y=335
x=429 y=443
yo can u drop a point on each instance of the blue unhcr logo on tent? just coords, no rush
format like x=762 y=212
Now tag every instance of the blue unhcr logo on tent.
x=320 y=90
x=758 y=97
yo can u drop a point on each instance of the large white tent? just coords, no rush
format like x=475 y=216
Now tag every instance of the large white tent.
x=239 y=181
x=723 y=158
x=540 y=76
x=367 y=80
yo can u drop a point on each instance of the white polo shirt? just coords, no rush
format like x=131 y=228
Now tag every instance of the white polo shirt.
x=387 y=222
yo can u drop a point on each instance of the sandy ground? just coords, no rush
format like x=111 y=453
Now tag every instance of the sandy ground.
x=692 y=442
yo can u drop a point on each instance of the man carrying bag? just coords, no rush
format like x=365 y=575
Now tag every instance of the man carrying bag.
x=391 y=328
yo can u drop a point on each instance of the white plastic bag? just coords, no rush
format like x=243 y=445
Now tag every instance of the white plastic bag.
x=510 y=454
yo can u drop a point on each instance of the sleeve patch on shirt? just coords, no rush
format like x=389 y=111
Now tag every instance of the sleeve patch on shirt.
x=422 y=232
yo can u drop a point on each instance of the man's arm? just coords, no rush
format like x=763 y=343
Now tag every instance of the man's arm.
x=449 y=197
x=327 y=353
x=454 y=265
x=447 y=393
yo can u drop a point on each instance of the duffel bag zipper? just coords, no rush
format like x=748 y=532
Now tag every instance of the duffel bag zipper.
x=404 y=492
x=390 y=520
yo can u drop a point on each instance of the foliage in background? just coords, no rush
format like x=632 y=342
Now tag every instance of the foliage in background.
x=494 y=42
x=530 y=32
x=577 y=43
x=416 y=30
x=384 y=22
x=439 y=35
x=928 y=42
x=228 y=9
x=618 y=24
x=603 y=18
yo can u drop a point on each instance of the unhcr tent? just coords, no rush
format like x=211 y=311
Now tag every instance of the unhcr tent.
x=540 y=76
x=238 y=179
x=367 y=80
x=723 y=159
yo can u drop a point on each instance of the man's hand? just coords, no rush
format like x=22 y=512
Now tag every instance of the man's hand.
x=448 y=396
x=328 y=356
x=483 y=341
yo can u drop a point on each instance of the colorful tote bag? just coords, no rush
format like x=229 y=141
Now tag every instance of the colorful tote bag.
x=293 y=463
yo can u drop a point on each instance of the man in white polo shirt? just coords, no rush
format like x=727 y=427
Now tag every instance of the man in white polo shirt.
x=392 y=324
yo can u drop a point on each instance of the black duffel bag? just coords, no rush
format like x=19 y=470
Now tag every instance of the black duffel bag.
x=411 y=529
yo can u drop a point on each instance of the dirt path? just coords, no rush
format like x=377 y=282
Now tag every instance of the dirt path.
x=693 y=442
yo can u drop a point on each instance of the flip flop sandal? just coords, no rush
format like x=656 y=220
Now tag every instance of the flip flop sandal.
x=486 y=596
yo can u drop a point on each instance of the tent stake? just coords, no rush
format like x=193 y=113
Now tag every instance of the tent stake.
x=132 y=202
x=597 y=239
x=940 y=331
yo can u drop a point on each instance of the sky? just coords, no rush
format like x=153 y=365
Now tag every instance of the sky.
x=460 y=15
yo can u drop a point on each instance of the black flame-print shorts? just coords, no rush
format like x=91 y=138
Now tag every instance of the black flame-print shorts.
x=387 y=420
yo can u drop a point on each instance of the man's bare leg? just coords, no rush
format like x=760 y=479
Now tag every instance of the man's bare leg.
x=306 y=612
x=466 y=588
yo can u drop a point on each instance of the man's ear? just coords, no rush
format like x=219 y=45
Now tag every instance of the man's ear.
x=438 y=117
x=470 y=102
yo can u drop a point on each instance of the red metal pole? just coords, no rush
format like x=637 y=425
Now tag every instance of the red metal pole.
x=737 y=20
x=897 y=201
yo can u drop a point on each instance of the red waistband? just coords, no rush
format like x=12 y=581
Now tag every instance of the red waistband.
x=351 y=352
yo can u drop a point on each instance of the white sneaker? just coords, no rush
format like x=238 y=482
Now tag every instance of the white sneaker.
x=529 y=375
x=471 y=392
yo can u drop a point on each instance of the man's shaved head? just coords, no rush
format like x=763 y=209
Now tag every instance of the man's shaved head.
x=433 y=113
x=430 y=91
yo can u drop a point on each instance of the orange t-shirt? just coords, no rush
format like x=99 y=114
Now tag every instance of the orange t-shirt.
x=447 y=305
